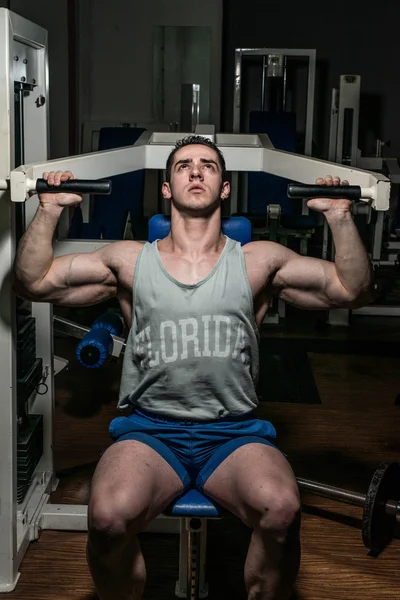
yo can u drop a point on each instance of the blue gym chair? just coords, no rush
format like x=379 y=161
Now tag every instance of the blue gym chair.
x=193 y=508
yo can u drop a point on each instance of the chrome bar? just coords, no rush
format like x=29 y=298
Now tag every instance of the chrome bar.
x=392 y=507
x=329 y=491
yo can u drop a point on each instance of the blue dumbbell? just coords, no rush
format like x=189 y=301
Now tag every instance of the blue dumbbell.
x=94 y=349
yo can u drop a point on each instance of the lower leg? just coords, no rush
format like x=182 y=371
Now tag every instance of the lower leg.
x=131 y=486
x=117 y=567
x=273 y=562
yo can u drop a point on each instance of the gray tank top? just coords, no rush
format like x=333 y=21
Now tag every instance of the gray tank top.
x=192 y=351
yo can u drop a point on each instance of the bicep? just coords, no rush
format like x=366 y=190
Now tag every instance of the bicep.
x=309 y=282
x=78 y=280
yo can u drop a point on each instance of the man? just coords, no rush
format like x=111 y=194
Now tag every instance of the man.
x=194 y=301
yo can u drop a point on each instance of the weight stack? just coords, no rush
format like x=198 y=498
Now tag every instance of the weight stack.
x=29 y=452
x=30 y=427
x=26 y=347
x=26 y=385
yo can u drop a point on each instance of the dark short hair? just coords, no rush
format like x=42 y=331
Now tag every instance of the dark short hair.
x=190 y=140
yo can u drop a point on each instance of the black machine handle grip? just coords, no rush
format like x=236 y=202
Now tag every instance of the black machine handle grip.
x=350 y=192
x=75 y=186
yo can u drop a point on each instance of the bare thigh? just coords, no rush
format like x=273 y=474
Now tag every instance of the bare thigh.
x=253 y=480
x=132 y=484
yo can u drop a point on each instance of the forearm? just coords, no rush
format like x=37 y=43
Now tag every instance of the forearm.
x=353 y=266
x=34 y=255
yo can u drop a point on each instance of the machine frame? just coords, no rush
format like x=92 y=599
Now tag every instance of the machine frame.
x=238 y=195
x=344 y=127
x=23 y=59
x=242 y=152
x=287 y=52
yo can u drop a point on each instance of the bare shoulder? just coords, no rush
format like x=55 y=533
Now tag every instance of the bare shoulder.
x=263 y=259
x=116 y=254
x=120 y=258
x=269 y=254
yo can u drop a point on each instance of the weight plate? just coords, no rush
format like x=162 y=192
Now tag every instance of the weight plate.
x=378 y=527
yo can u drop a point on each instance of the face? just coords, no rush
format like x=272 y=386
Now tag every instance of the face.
x=196 y=180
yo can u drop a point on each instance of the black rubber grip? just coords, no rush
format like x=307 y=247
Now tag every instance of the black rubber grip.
x=75 y=186
x=350 y=192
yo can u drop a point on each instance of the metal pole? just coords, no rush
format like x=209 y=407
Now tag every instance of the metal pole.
x=192 y=590
x=264 y=82
x=19 y=124
x=346 y=496
x=189 y=566
x=284 y=83
x=329 y=491
x=19 y=90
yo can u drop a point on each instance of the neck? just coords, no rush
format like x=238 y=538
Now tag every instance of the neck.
x=195 y=235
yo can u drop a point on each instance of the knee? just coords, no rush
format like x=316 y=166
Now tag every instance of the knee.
x=103 y=521
x=110 y=520
x=279 y=514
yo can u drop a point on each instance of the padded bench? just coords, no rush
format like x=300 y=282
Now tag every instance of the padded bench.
x=194 y=509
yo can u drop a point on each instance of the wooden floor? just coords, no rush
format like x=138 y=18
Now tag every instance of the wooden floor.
x=340 y=441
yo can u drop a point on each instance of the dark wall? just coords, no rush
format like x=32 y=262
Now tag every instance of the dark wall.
x=116 y=55
x=350 y=37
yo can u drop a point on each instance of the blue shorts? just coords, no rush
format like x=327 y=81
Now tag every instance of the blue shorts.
x=193 y=449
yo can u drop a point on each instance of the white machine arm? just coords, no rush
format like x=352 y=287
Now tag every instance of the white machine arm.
x=375 y=188
x=242 y=152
